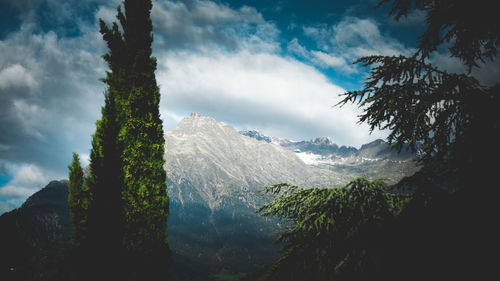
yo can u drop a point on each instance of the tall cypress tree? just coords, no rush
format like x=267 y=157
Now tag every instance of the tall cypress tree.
x=105 y=182
x=127 y=179
x=146 y=207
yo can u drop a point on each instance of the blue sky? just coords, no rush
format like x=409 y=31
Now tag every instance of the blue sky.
x=275 y=66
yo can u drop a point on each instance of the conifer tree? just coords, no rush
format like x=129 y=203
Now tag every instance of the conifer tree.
x=127 y=176
x=77 y=200
x=126 y=187
x=146 y=200
x=105 y=182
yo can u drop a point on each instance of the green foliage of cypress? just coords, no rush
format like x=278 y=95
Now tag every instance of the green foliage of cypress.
x=144 y=193
x=105 y=182
x=146 y=200
x=129 y=206
x=78 y=201
x=133 y=89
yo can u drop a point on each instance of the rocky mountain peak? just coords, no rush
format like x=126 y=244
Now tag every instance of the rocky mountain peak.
x=221 y=164
x=197 y=123
x=324 y=141
x=256 y=135
x=51 y=194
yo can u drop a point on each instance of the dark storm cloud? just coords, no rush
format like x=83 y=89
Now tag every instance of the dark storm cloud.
x=49 y=94
x=62 y=17
x=3 y=169
x=195 y=24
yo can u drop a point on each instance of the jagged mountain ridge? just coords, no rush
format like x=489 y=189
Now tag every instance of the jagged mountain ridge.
x=325 y=146
x=323 y=150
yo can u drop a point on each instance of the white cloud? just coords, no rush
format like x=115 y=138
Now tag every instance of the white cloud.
x=206 y=24
x=107 y=14
x=54 y=113
x=16 y=191
x=294 y=47
x=16 y=75
x=210 y=12
x=278 y=95
x=27 y=179
x=320 y=34
x=320 y=58
x=31 y=117
x=341 y=44
x=327 y=60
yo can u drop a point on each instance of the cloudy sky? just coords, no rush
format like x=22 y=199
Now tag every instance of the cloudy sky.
x=275 y=66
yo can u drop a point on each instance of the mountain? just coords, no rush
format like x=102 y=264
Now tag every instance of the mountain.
x=256 y=135
x=372 y=160
x=326 y=148
x=214 y=175
x=222 y=164
x=35 y=239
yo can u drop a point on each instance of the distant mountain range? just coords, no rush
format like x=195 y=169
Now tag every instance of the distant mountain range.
x=214 y=175
x=324 y=151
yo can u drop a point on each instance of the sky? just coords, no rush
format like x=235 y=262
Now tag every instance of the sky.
x=275 y=66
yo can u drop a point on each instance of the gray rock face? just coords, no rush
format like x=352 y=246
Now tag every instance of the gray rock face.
x=221 y=163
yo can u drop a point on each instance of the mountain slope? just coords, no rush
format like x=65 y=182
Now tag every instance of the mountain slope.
x=35 y=240
x=214 y=175
x=219 y=161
